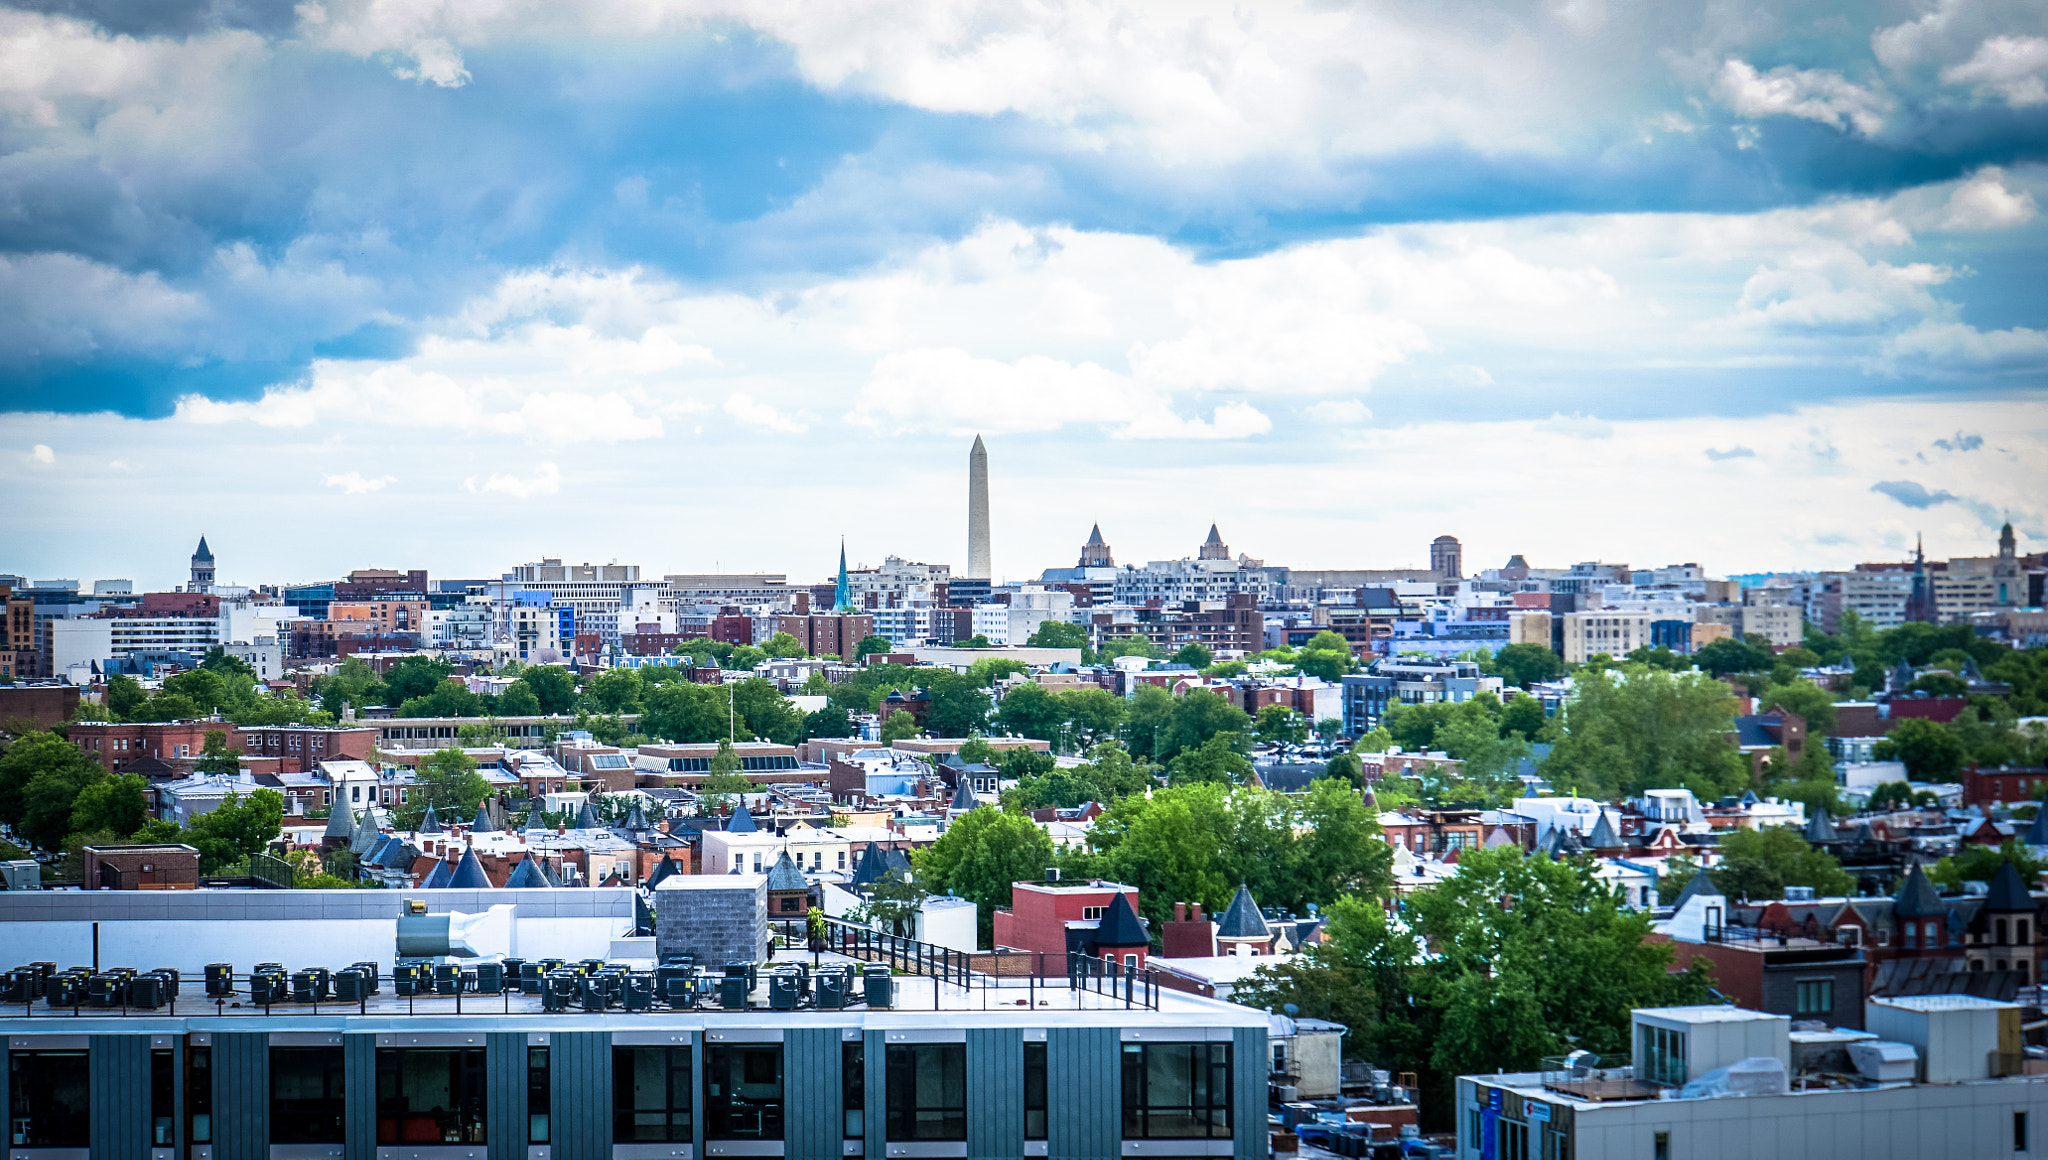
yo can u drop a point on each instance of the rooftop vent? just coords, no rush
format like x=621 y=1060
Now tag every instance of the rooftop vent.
x=1052 y=874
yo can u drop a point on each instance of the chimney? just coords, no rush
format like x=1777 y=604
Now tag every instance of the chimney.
x=1194 y=912
x=1180 y=912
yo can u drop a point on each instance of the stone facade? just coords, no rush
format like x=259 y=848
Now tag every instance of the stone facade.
x=718 y=918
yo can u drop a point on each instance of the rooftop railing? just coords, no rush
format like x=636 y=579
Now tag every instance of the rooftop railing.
x=1584 y=1075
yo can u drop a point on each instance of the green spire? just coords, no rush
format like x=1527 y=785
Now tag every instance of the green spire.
x=842 y=598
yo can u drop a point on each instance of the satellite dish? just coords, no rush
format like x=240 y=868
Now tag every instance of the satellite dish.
x=1290 y=1008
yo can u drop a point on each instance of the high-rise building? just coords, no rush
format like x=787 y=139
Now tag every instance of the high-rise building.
x=1446 y=557
x=202 y=569
x=1213 y=548
x=1095 y=553
x=978 y=565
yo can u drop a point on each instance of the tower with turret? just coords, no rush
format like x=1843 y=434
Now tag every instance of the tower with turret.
x=2009 y=585
x=1095 y=553
x=1214 y=548
x=202 y=569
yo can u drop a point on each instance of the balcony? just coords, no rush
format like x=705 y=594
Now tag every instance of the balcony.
x=1585 y=1076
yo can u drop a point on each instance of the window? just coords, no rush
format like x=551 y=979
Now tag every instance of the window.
x=430 y=1095
x=1034 y=1091
x=2019 y=1131
x=927 y=1091
x=853 y=1088
x=48 y=1097
x=199 y=1095
x=1815 y=996
x=842 y=859
x=1176 y=1090
x=163 y=1089
x=1663 y=1052
x=537 y=1095
x=650 y=1095
x=1091 y=913
x=743 y=1091
x=1514 y=1140
x=1660 y=1146
x=305 y=1095
x=1999 y=925
x=1475 y=1125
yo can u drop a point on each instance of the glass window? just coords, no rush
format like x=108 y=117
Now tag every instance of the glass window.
x=162 y=1097
x=430 y=1095
x=650 y=1095
x=305 y=1095
x=1176 y=1090
x=853 y=1088
x=199 y=1095
x=927 y=1091
x=536 y=1095
x=48 y=1097
x=1034 y=1091
x=1815 y=996
x=743 y=1091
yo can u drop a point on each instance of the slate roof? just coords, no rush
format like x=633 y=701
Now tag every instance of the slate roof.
x=366 y=833
x=2008 y=890
x=870 y=866
x=1603 y=836
x=1120 y=926
x=470 y=874
x=527 y=875
x=662 y=871
x=1242 y=919
x=586 y=818
x=1916 y=897
x=341 y=822
x=2037 y=833
x=742 y=823
x=437 y=877
x=483 y=823
x=1821 y=828
x=963 y=797
x=1700 y=886
x=429 y=823
x=785 y=876
x=637 y=820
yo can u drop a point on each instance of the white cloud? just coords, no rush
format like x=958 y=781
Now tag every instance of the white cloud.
x=1947 y=349
x=1821 y=95
x=1235 y=420
x=1340 y=413
x=71 y=307
x=1577 y=426
x=1467 y=375
x=41 y=453
x=1984 y=203
x=355 y=483
x=758 y=414
x=2012 y=67
x=544 y=479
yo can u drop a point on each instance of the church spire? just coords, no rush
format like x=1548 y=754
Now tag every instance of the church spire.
x=842 y=596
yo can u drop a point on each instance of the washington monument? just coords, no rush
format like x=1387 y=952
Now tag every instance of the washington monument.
x=977 y=512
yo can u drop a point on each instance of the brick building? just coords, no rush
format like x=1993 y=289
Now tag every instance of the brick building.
x=2004 y=783
x=1054 y=918
x=294 y=748
x=156 y=866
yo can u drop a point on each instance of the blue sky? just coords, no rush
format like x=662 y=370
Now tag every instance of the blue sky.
x=627 y=279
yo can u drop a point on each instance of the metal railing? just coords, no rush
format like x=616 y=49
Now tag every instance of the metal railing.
x=905 y=956
x=272 y=872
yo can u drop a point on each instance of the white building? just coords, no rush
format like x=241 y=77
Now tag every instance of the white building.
x=1173 y=582
x=1587 y=634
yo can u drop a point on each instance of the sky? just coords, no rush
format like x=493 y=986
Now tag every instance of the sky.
x=709 y=284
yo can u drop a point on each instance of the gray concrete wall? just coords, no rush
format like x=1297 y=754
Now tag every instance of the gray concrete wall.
x=717 y=925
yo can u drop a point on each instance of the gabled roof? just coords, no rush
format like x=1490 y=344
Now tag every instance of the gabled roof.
x=1242 y=919
x=1603 y=836
x=437 y=877
x=1700 y=886
x=483 y=823
x=341 y=822
x=429 y=823
x=1916 y=897
x=742 y=822
x=1821 y=828
x=527 y=875
x=2008 y=890
x=1120 y=926
x=785 y=876
x=470 y=874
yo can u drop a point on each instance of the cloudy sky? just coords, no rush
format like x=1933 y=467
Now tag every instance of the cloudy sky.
x=708 y=284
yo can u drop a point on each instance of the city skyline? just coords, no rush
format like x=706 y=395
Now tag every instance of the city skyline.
x=1751 y=290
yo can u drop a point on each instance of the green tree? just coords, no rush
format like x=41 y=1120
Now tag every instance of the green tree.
x=1202 y=714
x=783 y=644
x=205 y=689
x=901 y=724
x=765 y=712
x=1815 y=705
x=1784 y=856
x=37 y=753
x=723 y=777
x=218 y=661
x=1030 y=711
x=828 y=722
x=1648 y=730
x=1326 y=655
x=1128 y=646
x=215 y=758
x=1474 y=736
x=1414 y=727
x=1727 y=655
x=988 y=670
x=1193 y=655
x=872 y=644
x=975 y=641
x=117 y=804
x=1660 y=657
x=518 y=700
x=447 y=780
x=1362 y=976
x=125 y=695
x=1932 y=752
x=1214 y=760
x=451 y=698
x=1108 y=774
x=1975 y=863
x=49 y=799
x=690 y=713
x=1523 y=717
x=616 y=690
x=238 y=827
x=1939 y=685
x=1060 y=634
x=981 y=853
x=1522 y=665
x=552 y=686
x=1095 y=715
x=1281 y=725
x=959 y=706
x=415 y=676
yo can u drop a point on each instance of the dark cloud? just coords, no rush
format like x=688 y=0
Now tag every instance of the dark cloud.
x=1717 y=454
x=1961 y=442
x=1911 y=494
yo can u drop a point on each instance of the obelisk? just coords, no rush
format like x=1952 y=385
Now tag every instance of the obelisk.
x=977 y=512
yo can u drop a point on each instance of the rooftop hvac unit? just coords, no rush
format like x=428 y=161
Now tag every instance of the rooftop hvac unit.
x=350 y=986
x=881 y=988
x=834 y=983
x=1885 y=1062
x=66 y=990
x=220 y=980
x=639 y=992
x=21 y=874
x=148 y=991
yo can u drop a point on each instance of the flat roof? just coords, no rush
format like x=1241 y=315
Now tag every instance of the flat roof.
x=1945 y=1003
x=1711 y=1013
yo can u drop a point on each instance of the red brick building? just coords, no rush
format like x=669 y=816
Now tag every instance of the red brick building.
x=2001 y=784
x=1054 y=918
x=294 y=748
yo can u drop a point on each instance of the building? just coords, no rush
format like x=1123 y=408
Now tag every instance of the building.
x=1410 y=681
x=1095 y=553
x=1793 y=975
x=1955 y=1089
x=1588 y=634
x=1053 y=918
x=202 y=568
x=295 y=748
x=1446 y=557
x=155 y=866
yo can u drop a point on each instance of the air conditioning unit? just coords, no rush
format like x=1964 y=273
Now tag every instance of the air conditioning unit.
x=1799 y=894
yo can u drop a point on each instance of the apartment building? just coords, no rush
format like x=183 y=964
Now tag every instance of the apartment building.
x=1614 y=632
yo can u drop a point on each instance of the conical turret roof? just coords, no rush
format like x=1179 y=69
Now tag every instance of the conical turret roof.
x=429 y=823
x=1214 y=536
x=1820 y=828
x=204 y=553
x=527 y=875
x=963 y=796
x=1916 y=897
x=2008 y=890
x=1603 y=836
x=1119 y=926
x=784 y=875
x=483 y=823
x=469 y=875
x=437 y=877
x=1243 y=918
x=341 y=822
x=742 y=822
x=1095 y=537
x=586 y=818
x=870 y=866
x=2037 y=831
x=1701 y=885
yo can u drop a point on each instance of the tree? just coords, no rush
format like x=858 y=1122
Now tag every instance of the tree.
x=1108 y=774
x=1932 y=753
x=37 y=753
x=1473 y=735
x=1193 y=655
x=447 y=780
x=518 y=700
x=1523 y=717
x=1362 y=976
x=1096 y=715
x=1815 y=705
x=1414 y=727
x=124 y=696
x=959 y=706
x=49 y=798
x=1345 y=767
x=975 y=641
x=616 y=690
x=414 y=676
x=988 y=670
x=691 y=713
x=901 y=724
x=167 y=707
x=1939 y=685
x=1128 y=646
x=238 y=827
x=1281 y=725
x=723 y=777
x=981 y=853
x=451 y=698
x=828 y=722
x=218 y=661
x=215 y=758
x=1760 y=863
x=1624 y=733
x=1060 y=634
x=1660 y=657
x=1522 y=665
x=1214 y=760
x=205 y=689
x=782 y=644
x=1726 y=655
x=1980 y=864
x=872 y=644
x=553 y=687
x=1030 y=711
x=1326 y=655
x=115 y=803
